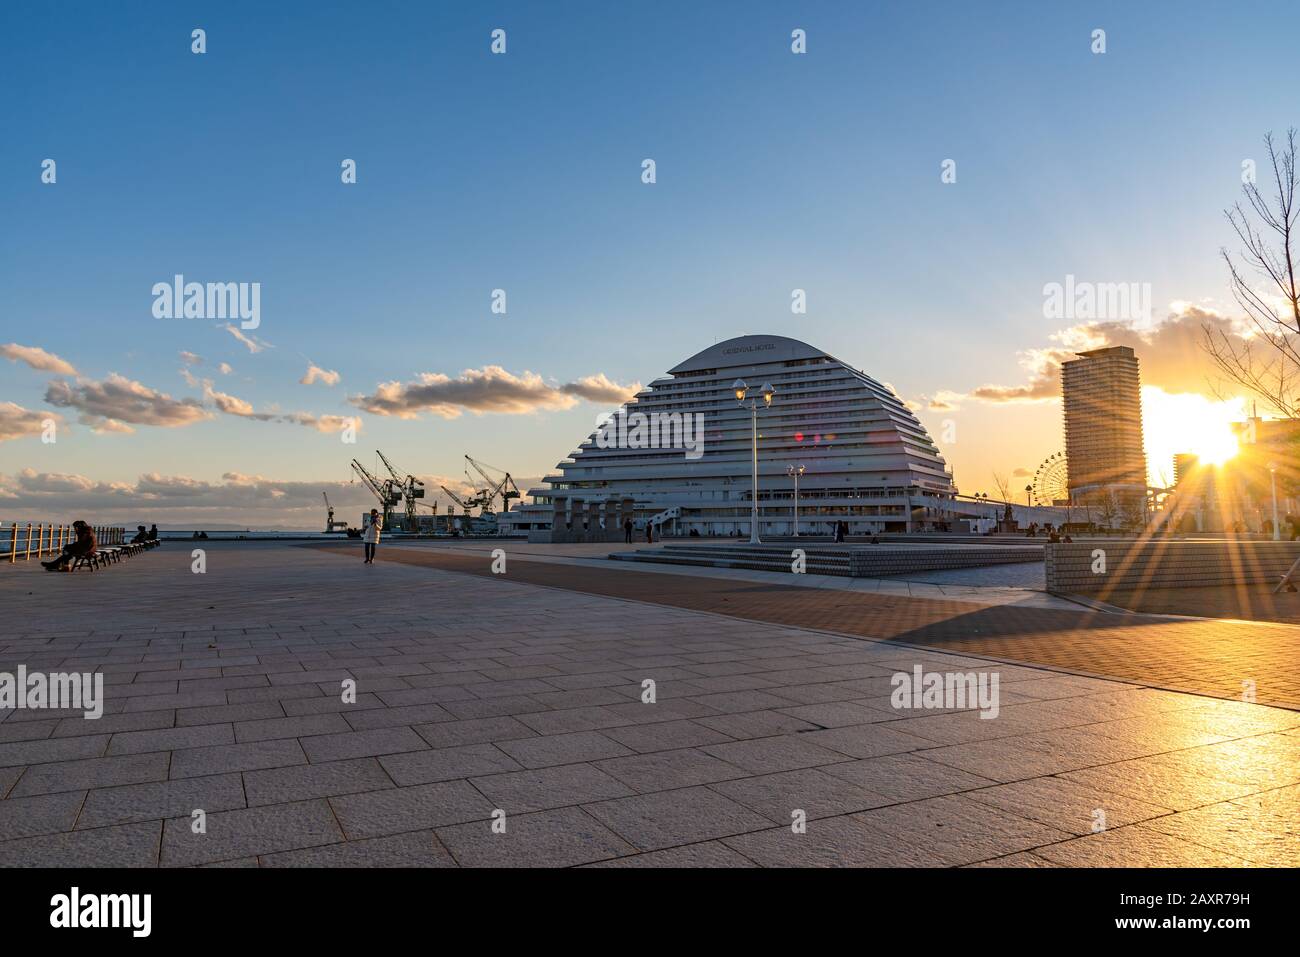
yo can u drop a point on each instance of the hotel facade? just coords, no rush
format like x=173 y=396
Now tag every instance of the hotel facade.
x=679 y=454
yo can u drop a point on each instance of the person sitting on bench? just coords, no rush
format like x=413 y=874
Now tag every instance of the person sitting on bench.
x=84 y=546
x=141 y=536
x=153 y=533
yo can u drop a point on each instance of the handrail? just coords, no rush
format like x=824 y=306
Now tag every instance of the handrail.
x=40 y=539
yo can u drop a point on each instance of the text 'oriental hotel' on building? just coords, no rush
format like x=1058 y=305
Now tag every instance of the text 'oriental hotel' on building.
x=680 y=454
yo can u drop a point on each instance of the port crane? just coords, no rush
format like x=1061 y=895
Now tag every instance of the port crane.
x=386 y=490
x=411 y=489
x=330 y=524
x=504 y=487
x=474 y=501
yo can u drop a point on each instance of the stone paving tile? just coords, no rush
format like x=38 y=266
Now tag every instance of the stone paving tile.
x=667 y=818
x=756 y=724
x=848 y=841
x=258 y=830
x=1067 y=805
x=811 y=790
x=305 y=781
x=839 y=714
x=520 y=706
x=153 y=801
x=488 y=671
x=413 y=849
x=448 y=734
x=1250 y=828
x=662 y=770
x=128 y=845
x=169 y=739
x=36 y=730
x=7 y=778
x=295 y=707
x=961 y=831
x=16 y=753
x=270 y=729
x=43 y=814
x=197 y=762
x=865 y=741
x=114 y=723
x=362 y=744
x=91 y=773
x=1137 y=845
x=666 y=735
x=520 y=792
x=905 y=777
x=407 y=715
x=703 y=854
x=553 y=749
x=224 y=713
x=740 y=701
x=1022 y=859
x=783 y=753
x=1161 y=782
x=573 y=719
x=446 y=764
x=560 y=838
x=172 y=702
x=379 y=813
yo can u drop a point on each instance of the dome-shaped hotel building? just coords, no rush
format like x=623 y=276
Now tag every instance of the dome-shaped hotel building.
x=679 y=454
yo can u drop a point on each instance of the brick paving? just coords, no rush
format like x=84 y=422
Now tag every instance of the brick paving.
x=479 y=697
x=1206 y=657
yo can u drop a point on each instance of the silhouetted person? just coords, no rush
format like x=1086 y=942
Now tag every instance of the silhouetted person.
x=153 y=533
x=627 y=531
x=84 y=545
x=141 y=536
x=373 y=528
x=649 y=533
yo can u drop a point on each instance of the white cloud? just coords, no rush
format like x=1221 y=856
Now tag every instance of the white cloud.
x=316 y=374
x=490 y=389
x=37 y=358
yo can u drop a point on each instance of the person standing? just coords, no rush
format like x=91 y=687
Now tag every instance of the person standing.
x=627 y=531
x=373 y=528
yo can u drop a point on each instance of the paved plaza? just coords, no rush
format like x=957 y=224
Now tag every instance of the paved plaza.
x=517 y=699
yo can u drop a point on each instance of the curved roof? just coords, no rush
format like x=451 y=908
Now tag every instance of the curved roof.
x=747 y=351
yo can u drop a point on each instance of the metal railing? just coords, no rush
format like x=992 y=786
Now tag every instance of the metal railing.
x=30 y=541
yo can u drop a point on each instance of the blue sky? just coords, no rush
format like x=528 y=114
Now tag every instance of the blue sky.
x=522 y=172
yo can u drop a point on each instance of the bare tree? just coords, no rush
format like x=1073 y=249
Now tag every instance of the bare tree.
x=1267 y=361
x=1004 y=486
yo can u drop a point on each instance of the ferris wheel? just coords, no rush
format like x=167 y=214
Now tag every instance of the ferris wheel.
x=1051 y=482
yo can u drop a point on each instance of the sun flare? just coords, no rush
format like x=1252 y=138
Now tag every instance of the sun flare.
x=1187 y=422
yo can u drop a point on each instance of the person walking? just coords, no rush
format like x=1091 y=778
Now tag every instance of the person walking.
x=84 y=545
x=371 y=538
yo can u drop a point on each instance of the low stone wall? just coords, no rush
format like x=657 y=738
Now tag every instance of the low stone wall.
x=877 y=562
x=1098 y=568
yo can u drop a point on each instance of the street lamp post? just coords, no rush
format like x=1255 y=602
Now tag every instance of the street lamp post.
x=1272 y=480
x=741 y=390
x=796 y=471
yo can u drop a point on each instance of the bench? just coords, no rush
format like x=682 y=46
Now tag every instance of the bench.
x=110 y=555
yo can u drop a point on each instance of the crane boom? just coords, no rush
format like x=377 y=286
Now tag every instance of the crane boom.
x=382 y=490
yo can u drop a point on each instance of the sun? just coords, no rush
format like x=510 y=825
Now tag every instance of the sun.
x=1187 y=422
